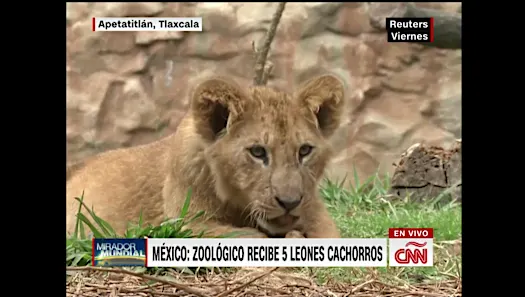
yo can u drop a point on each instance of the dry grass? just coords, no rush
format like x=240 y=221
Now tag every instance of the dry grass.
x=94 y=281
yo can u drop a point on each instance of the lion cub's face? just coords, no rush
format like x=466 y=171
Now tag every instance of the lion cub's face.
x=268 y=149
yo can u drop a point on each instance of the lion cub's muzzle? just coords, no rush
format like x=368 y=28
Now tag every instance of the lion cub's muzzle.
x=284 y=220
x=279 y=226
x=288 y=203
x=284 y=217
x=290 y=207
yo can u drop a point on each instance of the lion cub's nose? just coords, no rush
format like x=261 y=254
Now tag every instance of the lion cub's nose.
x=288 y=203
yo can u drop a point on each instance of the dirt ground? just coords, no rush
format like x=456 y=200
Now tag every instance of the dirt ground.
x=94 y=281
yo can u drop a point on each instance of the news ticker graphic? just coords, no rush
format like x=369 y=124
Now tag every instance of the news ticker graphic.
x=118 y=252
x=408 y=247
x=410 y=29
x=411 y=247
x=147 y=24
x=262 y=252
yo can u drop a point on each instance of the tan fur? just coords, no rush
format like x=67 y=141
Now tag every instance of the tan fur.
x=210 y=153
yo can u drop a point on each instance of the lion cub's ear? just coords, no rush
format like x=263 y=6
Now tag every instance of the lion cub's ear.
x=325 y=97
x=215 y=103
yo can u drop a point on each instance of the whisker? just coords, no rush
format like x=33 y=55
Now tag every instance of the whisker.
x=261 y=214
x=256 y=216
x=265 y=206
x=248 y=207
x=252 y=215
x=264 y=216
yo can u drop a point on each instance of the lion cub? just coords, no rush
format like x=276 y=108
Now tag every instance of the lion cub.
x=252 y=157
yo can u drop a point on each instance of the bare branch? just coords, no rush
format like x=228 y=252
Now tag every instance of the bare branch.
x=267 y=71
x=447 y=26
x=262 y=70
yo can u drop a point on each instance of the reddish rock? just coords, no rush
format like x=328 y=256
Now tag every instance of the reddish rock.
x=127 y=88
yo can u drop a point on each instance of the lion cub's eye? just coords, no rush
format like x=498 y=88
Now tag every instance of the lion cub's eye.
x=305 y=150
x=258 y=151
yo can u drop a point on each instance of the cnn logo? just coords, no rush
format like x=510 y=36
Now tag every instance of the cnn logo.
x=415 y=256
x=413 y=248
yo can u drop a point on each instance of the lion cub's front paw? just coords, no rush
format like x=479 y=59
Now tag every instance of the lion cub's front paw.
x=294 y=234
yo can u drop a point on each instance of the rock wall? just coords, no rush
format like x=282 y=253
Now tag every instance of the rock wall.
x=129 y=88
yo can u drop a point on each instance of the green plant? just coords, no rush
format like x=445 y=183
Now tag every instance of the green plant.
x=78 y=246
x=365 y=194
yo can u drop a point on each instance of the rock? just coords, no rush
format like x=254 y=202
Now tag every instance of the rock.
x=80 y=39
x=378 y=11
x=390 y=64
x=448 y=115
x=179 y=9
x=139 y=9
x=360 y=59
x=447 y=90
x=380 y=131
x=76 y=11
x=127 y=108
x=429 y=134
x=409 y=59
x=145 y=37
x=253 y=17
x=333 y=53
x=218 y=17
x=426 y=172
x=363 y=90
x=428 y=108
x=453 y=171
x=365 y=162
x=91 y=91
x=123 y=86
x=413 y=79
x=170 y=85
x=126 y=64
x=445 y=6
x=84 y=101
x=351 y=20
x=307 y=19
x=313 y=18
x=87 y=63
x=209 y=46
x=373 y=88
x=116 y=42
